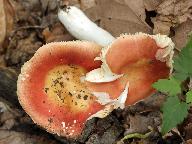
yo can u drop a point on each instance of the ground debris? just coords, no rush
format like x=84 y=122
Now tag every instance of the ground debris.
x=171 y=13
x=12 y=137
x=21 y=50
x=17 y=128
x=57 y=33
x=33 y=23
x=8 y=82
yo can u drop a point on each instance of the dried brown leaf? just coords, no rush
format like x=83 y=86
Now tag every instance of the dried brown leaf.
x=117 y=18
x=188 y=130
x=2 y=22
x=135 y=123
x=160 y=26
x=175 y=7
x=9 y=11
x=152 y=5
x=137 y=6
x=6 y=19
x=86 y=4
x=181 y=34
x=171 y=13
x=141 y=123
x=189 y=141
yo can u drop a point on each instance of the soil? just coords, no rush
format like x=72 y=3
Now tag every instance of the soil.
x=32 y=23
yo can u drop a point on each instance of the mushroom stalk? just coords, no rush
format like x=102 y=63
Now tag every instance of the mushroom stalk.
x=81 y=27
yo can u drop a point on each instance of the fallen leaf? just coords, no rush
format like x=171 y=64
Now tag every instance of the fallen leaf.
x=163 y=24
x=188 y=131
x=135 y=122
x=152 y=5
x=2 y=22
x=189 y=141
x=182 y=33
x=86 y=4
x=117 y=18
x=9 y=10
x=178 y=8
x=141 y=124
x=137 y=6
x=6 y=19
x=170 y=14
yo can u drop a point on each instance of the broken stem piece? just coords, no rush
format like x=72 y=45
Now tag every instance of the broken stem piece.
x=137 y=135
x=82 y=28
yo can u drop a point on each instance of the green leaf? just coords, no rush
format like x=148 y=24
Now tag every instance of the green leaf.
x=174 y=113
x=171 y=86
x=189 y=97
x=182 y=63
x=181 y=76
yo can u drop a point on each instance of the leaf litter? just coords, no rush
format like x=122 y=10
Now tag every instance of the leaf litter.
x=35 y=23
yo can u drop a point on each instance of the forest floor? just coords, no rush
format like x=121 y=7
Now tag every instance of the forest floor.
x=27 y=25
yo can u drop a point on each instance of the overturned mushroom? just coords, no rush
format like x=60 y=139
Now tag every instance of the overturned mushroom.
x=139 y=59
x=52 y=90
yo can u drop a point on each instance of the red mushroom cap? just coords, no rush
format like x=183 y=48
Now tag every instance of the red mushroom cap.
x=51 y=89
x=141 y=58
x=135 y=57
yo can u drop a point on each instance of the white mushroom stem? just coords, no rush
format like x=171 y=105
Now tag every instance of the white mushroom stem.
x=81 y=27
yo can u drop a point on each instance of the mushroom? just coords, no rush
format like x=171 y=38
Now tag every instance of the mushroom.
x=139 y=59
x=82 y=28
x=65 y=84
x=52 y=90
